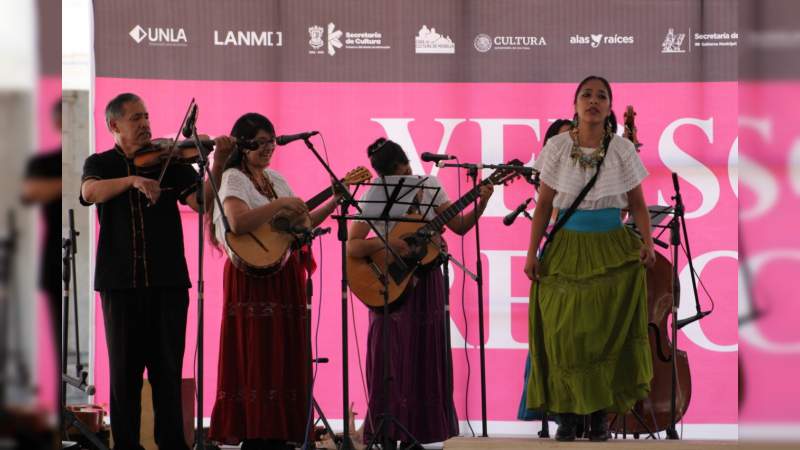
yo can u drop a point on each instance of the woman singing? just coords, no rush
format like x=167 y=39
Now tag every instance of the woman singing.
x=263 y=386
x=588 y=312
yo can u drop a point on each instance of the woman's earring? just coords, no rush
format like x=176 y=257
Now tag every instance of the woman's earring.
x=575 y=121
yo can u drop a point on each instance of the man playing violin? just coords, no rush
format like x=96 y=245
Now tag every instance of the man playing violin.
x=141 y=272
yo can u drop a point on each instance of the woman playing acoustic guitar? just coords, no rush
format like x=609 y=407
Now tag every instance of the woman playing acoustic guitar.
x=419 y=394
x=263 y=386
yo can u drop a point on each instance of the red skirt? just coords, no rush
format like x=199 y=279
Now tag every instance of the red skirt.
x=262 y=385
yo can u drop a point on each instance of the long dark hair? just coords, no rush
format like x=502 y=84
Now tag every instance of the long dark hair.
x=611 y=120
x=385 y=156
x=246 y=127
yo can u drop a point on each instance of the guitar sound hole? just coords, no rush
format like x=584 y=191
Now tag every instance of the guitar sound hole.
x=418 y=248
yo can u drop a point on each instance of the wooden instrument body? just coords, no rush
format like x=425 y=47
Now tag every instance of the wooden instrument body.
x=424 y=239
x=263 y=251
x=363 y=274
x=655 y=409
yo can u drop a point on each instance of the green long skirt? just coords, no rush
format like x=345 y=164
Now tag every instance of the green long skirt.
x=588 y=325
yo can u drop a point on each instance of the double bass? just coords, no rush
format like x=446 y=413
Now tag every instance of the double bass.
x=653 y=414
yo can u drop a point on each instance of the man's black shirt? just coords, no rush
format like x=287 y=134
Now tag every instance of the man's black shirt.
x=139 y=245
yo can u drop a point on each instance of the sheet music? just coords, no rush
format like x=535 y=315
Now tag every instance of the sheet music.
x=373 y=202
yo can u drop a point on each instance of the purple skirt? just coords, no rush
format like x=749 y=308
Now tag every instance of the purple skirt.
x=420 y=390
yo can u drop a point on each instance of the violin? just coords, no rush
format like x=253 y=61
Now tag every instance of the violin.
x=161 y=150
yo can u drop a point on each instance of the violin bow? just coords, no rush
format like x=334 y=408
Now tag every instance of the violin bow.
x=174 y=143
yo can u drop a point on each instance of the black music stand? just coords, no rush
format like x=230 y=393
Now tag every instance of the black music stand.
x=393 y=196
x=346 y=200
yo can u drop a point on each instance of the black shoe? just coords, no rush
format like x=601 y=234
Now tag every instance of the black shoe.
x=599 y=426
x=581 y=427
x=566 y=427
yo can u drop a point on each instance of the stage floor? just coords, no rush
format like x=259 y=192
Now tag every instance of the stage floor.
x=543 y=444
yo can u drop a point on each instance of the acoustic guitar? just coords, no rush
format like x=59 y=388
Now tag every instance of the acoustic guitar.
x=364 y=274
x=265 y=250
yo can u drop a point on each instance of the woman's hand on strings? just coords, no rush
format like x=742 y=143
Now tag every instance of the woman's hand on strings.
x=400 y=247
x=292 y=206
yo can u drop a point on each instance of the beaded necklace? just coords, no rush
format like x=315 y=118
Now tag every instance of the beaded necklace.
x=584 y=160
x=266 y=188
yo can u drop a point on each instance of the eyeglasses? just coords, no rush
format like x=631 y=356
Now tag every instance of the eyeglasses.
x=264 y=144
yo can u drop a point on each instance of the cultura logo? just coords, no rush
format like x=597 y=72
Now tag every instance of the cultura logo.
x=159 y=36
x=482 y=43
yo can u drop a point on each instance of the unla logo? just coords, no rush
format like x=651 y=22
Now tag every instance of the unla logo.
x=138 y=34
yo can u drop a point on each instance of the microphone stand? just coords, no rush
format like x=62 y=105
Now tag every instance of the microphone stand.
x=306 y=238
x=472 y=172
x=678 y=224
x=446 y=258
x=346 y=201
x=522 y=170
x=202 y=163
x=69 y=247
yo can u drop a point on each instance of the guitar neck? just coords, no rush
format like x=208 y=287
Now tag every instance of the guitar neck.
x=439 y=221
x=320 y=198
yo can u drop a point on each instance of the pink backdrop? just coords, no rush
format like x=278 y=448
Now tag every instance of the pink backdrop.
x=770 y=190
x=689 y=128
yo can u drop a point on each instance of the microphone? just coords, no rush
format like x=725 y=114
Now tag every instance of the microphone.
x=287 y=138
x=433 y=157
x=683 y=322
x=511 y=217
x=320 y=231
x=190 y=122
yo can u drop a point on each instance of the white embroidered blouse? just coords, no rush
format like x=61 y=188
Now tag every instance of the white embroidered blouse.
x=236 y=184
x=621 y=171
